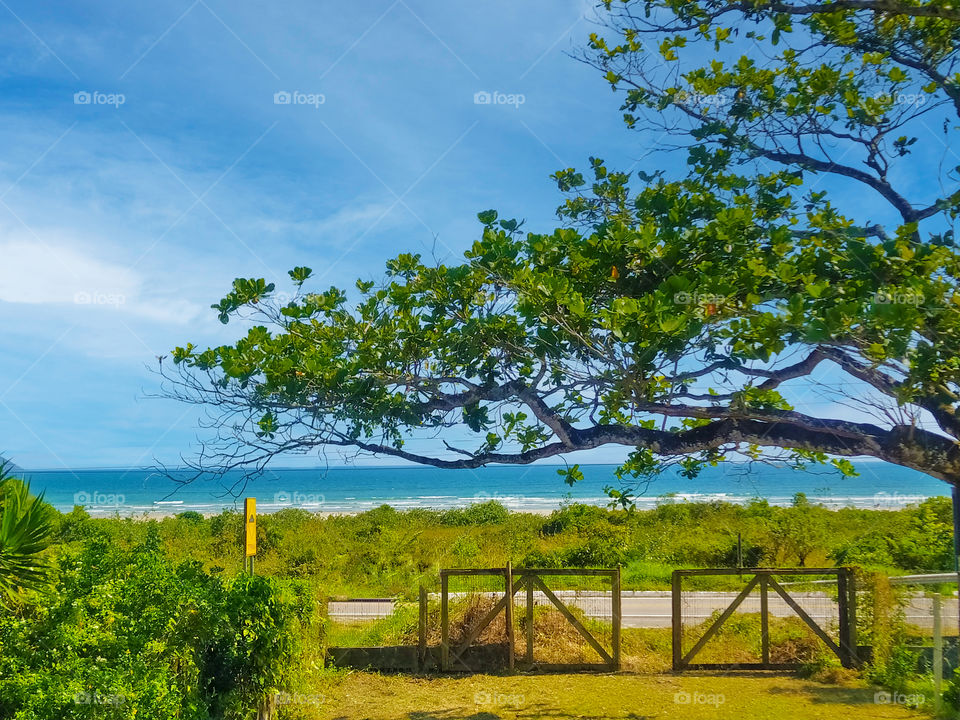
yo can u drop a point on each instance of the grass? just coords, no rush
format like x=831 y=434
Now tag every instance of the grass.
x=489 y=697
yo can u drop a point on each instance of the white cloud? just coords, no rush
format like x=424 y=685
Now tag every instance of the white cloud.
x=36 y=273
x=32 y=272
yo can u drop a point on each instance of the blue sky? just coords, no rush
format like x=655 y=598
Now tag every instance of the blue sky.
x=147 y=163
x=120 y=223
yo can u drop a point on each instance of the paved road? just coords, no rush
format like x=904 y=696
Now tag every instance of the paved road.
x=653 y=609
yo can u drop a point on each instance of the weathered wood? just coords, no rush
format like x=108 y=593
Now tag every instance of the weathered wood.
x=848 y=608
x=578 y=626
x=508 y=616
x=764 y=621
x=743 y=666
x=818 y=631
x=529 y=584
x=565 y=571
x=617 y=618
x=758 y=571
x=444 y=622
x=712 y=630
x=937 y=653
x=473 y=571
x=677 y=622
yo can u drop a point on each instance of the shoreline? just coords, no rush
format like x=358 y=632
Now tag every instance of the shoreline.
x=147 y=513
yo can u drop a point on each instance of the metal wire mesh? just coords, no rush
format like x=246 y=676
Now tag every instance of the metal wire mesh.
x=792 y=602
x=567 y=636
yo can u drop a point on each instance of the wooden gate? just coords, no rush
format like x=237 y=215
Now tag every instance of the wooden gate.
x=838 y=636
x=467 y=654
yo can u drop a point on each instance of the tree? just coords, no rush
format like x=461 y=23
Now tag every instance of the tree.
x=674 y=314
x=26 y=526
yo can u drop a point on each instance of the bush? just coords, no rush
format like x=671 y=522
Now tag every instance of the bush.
x=127 y=634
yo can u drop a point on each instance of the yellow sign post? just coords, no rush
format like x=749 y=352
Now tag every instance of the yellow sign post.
x=249 y=532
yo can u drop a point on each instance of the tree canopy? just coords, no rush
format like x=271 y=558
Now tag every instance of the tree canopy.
x=672 y=311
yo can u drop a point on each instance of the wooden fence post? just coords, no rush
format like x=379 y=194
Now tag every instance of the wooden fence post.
x=677 y=620
x=937 y=653
x=764 y=621
x=617 y=617
x=508 y=611
x=529 y=581
x=847 y=607
x=444 y=622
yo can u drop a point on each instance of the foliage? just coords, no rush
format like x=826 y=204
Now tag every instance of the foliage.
x=26 y=527
x=126 y=633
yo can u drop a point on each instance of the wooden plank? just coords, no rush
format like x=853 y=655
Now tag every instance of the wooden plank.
x=590 y=572
x=444 y=622
x=508 y=616
x=568 y=667
x=712 y=630
x=850 y=613
x=758 y=571
x=937 y=653
x=529 y=584
x=677 y=622
x=743 y=666
x=764 y=621
x=473 y=571
x=617 y=613
x=806 y=618
x=573 y=620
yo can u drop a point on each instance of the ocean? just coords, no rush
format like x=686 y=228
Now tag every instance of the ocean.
x=535 y=488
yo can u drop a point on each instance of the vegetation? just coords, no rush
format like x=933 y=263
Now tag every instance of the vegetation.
x=385 y=552
x=26 y=526
x=131 y=631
